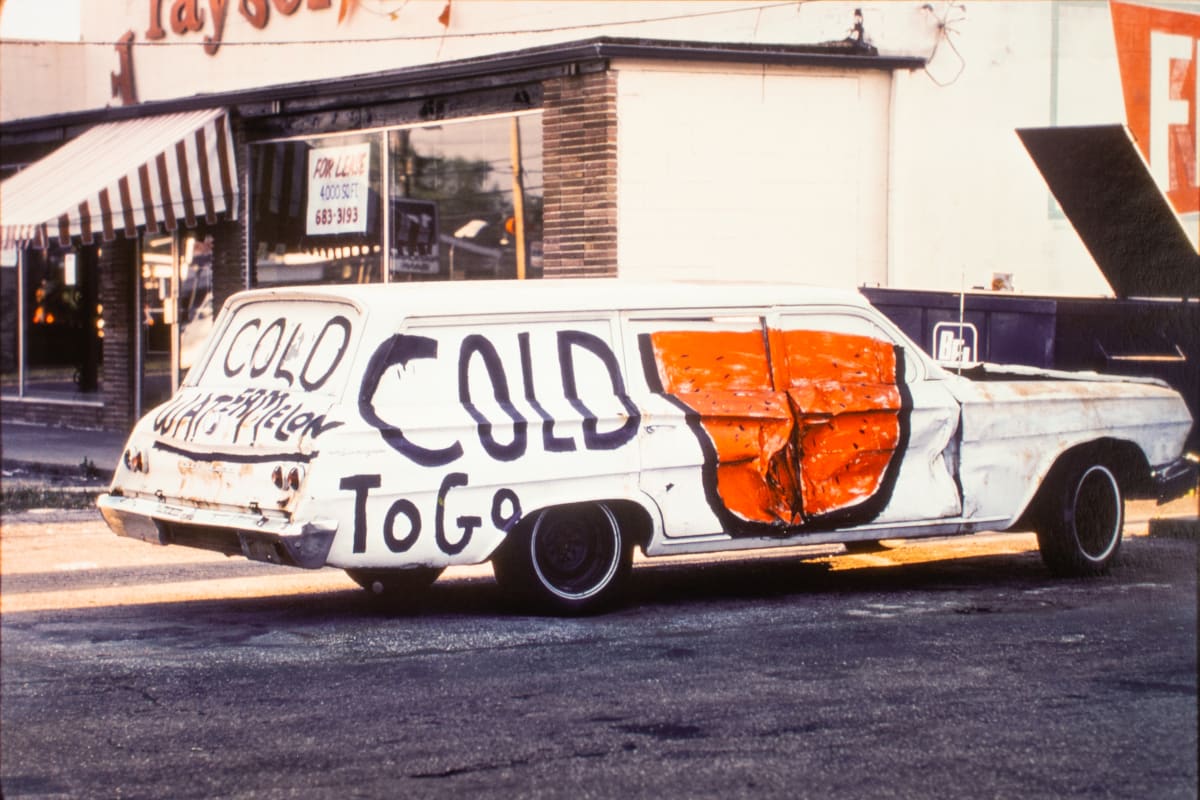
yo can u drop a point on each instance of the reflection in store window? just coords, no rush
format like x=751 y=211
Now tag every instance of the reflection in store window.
x=55 y=309
x=177 y=309
x=316 y=211
x=195 y=299
x=464 y=201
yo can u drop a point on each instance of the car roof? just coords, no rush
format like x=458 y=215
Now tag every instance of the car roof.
x=568 y=295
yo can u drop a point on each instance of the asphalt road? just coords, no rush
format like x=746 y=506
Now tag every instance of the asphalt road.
x=953 y=668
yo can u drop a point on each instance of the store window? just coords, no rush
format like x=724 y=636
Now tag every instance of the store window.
x=317 y=212
x=478 y=184
x=52 y=324
x=464 y=201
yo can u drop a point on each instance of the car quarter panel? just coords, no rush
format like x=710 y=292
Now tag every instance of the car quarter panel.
x=1014 y=431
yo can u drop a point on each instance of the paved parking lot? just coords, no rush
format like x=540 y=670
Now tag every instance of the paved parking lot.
x=943 y=668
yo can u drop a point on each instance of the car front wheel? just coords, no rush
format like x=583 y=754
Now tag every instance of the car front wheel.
x=1080 y=533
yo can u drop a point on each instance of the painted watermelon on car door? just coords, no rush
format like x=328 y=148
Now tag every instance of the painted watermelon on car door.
x=799 y=428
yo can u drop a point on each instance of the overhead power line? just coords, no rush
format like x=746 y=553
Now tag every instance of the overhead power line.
x=199 y=40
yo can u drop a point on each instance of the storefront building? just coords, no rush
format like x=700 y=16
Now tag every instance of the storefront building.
x=282 y=142
x=501 y=167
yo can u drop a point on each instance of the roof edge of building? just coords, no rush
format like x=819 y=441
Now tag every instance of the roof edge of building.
x=847 y=53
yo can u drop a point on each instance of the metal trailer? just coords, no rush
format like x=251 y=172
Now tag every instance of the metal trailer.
x=1150 y=329
x=1152 y=338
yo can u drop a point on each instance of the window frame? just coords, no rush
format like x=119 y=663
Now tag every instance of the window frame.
x=381 y=136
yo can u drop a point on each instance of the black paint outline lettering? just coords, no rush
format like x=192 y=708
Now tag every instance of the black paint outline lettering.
x=166 y=417
x=408 y=509
x=255 y=370
x=502 y=522
x=280 y=372
x=400 y=349
x=344 y=324
x=229 y=373
x=593 y=438
x=550 y=442
x=361 y=486
x=466 y=524
x=476 y=343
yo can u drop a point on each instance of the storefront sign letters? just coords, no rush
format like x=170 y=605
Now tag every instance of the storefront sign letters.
x=189 y=16
x=1158 y=51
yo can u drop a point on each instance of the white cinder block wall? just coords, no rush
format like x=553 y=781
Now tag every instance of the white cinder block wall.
x=754 y=173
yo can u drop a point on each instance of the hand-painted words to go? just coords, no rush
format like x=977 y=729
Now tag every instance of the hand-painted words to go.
x=402 y=523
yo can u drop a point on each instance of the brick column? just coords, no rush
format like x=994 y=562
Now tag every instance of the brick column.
x=229 y=264
x=579 y=137
x=229 y=236
x=118 y=271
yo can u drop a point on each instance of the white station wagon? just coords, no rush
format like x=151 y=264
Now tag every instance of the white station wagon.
x=552 y=426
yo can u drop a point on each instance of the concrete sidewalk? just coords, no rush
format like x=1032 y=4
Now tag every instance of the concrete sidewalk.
x=24 y=446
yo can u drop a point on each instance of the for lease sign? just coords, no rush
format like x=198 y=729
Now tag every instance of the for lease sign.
x=338 y=187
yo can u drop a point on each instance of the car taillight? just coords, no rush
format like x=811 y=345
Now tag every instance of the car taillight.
x=135 y=460
x=289 y=480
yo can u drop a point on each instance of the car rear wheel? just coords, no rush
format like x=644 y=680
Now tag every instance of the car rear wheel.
x=396 y=587
x=1080 y=533
x=566 y=560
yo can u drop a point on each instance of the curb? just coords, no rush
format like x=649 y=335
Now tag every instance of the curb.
x=35 y=471
x=1187 y=529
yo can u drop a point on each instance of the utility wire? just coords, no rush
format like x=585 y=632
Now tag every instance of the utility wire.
x=423 y=37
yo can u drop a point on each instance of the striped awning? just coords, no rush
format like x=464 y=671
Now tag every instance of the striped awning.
x=154 y=173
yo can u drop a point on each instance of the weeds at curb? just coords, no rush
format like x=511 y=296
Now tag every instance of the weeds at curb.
x=24 y=498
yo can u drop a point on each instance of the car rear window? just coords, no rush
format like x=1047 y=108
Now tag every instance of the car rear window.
x=295 y=345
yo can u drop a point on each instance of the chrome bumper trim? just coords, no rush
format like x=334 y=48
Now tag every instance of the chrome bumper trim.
x=1174 y=480
x=259 y=538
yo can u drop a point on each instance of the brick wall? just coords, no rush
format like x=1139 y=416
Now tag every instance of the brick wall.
x=229 y=270
x=579 y=130
x=88 y=416
x=118 y=270
x=229 y=238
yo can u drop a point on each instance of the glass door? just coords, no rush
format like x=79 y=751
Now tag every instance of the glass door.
x=158 y=307
x=176 y=310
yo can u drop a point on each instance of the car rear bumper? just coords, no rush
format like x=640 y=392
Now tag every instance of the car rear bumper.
x=1174 y=480
x=259 y=538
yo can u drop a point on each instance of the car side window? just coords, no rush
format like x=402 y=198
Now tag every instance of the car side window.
x=703 y=354
x=855 y=325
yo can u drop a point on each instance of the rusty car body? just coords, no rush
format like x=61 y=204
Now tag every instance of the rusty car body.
x=553 y=426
